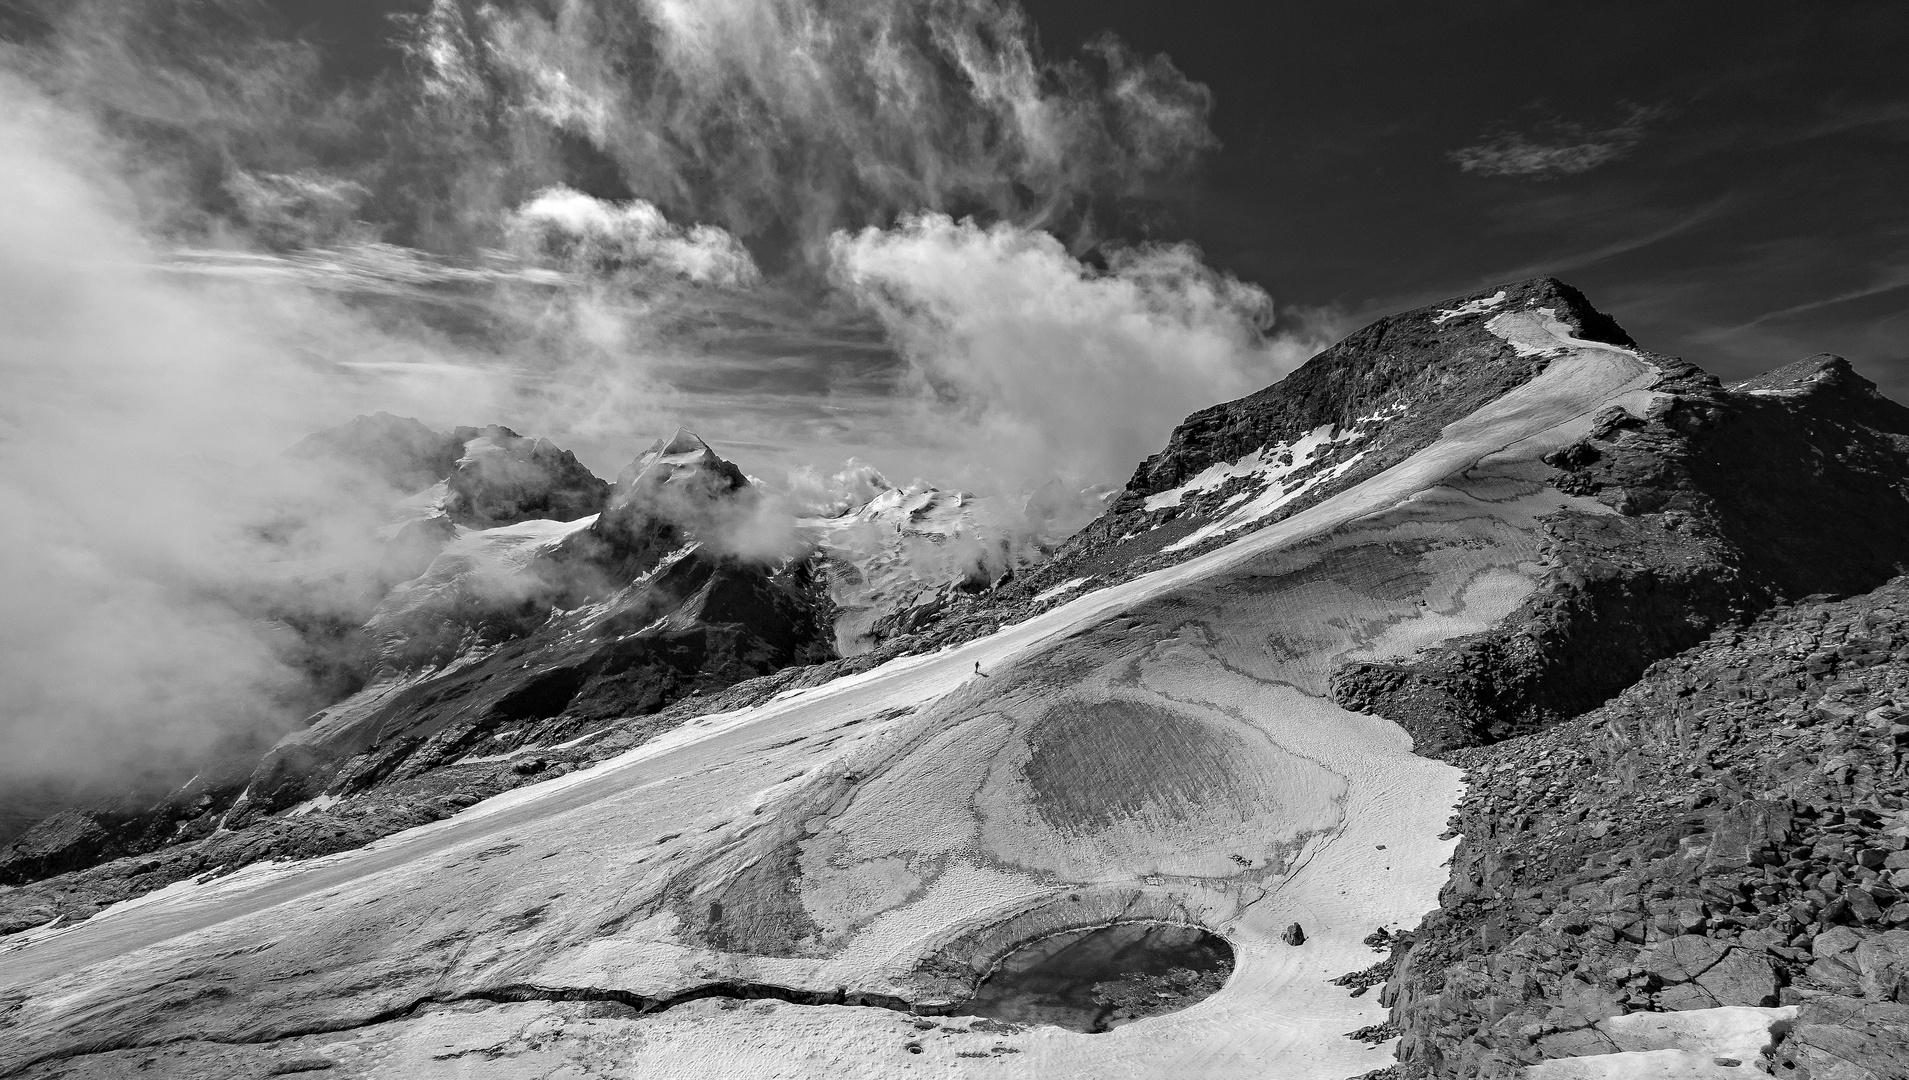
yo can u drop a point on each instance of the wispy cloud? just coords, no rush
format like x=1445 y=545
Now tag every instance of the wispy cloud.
x=1886 y=279
x=1556 y=147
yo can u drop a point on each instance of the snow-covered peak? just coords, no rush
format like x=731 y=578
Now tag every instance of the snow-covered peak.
x=682 y=459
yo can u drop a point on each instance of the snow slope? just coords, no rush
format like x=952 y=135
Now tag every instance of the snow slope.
x=1159 y=748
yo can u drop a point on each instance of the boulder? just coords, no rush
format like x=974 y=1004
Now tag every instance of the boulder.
x=1882 y=962
x=1839 y=1038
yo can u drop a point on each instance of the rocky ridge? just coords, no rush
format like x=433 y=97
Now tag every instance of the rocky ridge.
x=1732 y=829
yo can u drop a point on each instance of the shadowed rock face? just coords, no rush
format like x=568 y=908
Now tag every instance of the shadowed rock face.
x=1398 y=382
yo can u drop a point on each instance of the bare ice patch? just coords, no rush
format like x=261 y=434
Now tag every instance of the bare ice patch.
x=1536 y=332
x=1063 y=587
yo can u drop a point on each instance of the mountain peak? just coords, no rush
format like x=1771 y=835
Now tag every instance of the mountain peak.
x=1565 y=302
x=1381 y=393
x=1821 y=372
x=684 y=441
x=675 y=460
x=398 y=451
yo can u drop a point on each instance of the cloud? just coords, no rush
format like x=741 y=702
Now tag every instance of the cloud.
x=776 y=121
x=1883 y=279
x=1024 y=362
x=1557 y=148
x=595 y=233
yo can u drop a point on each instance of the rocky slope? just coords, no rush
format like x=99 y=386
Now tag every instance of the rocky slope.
x=1732 y=829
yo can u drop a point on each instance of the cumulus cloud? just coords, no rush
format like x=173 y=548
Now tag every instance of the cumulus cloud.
x=1034 y=363
x=1557 y=148
x=591 y=233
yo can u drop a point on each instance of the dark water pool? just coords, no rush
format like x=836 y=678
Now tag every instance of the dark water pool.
x=1096 y=980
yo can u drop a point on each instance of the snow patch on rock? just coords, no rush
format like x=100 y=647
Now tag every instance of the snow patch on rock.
x=1278 y=493
x=1066 y=586
x=1470 y=307
x=1697 y=1044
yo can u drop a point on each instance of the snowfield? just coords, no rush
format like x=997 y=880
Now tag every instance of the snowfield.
x=1161 y=748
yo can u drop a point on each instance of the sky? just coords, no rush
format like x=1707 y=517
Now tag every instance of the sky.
x=1726 y=180
x=1729 y=180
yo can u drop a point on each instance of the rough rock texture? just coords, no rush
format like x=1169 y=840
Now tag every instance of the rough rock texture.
x=1732 y=829
x=1728 y=499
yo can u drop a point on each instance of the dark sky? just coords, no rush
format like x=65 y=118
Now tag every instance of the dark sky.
x=1728 y=179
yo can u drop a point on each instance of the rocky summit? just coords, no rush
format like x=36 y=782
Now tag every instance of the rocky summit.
x=1490 y=697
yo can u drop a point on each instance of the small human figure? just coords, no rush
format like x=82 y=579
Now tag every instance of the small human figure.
x=978 y=671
